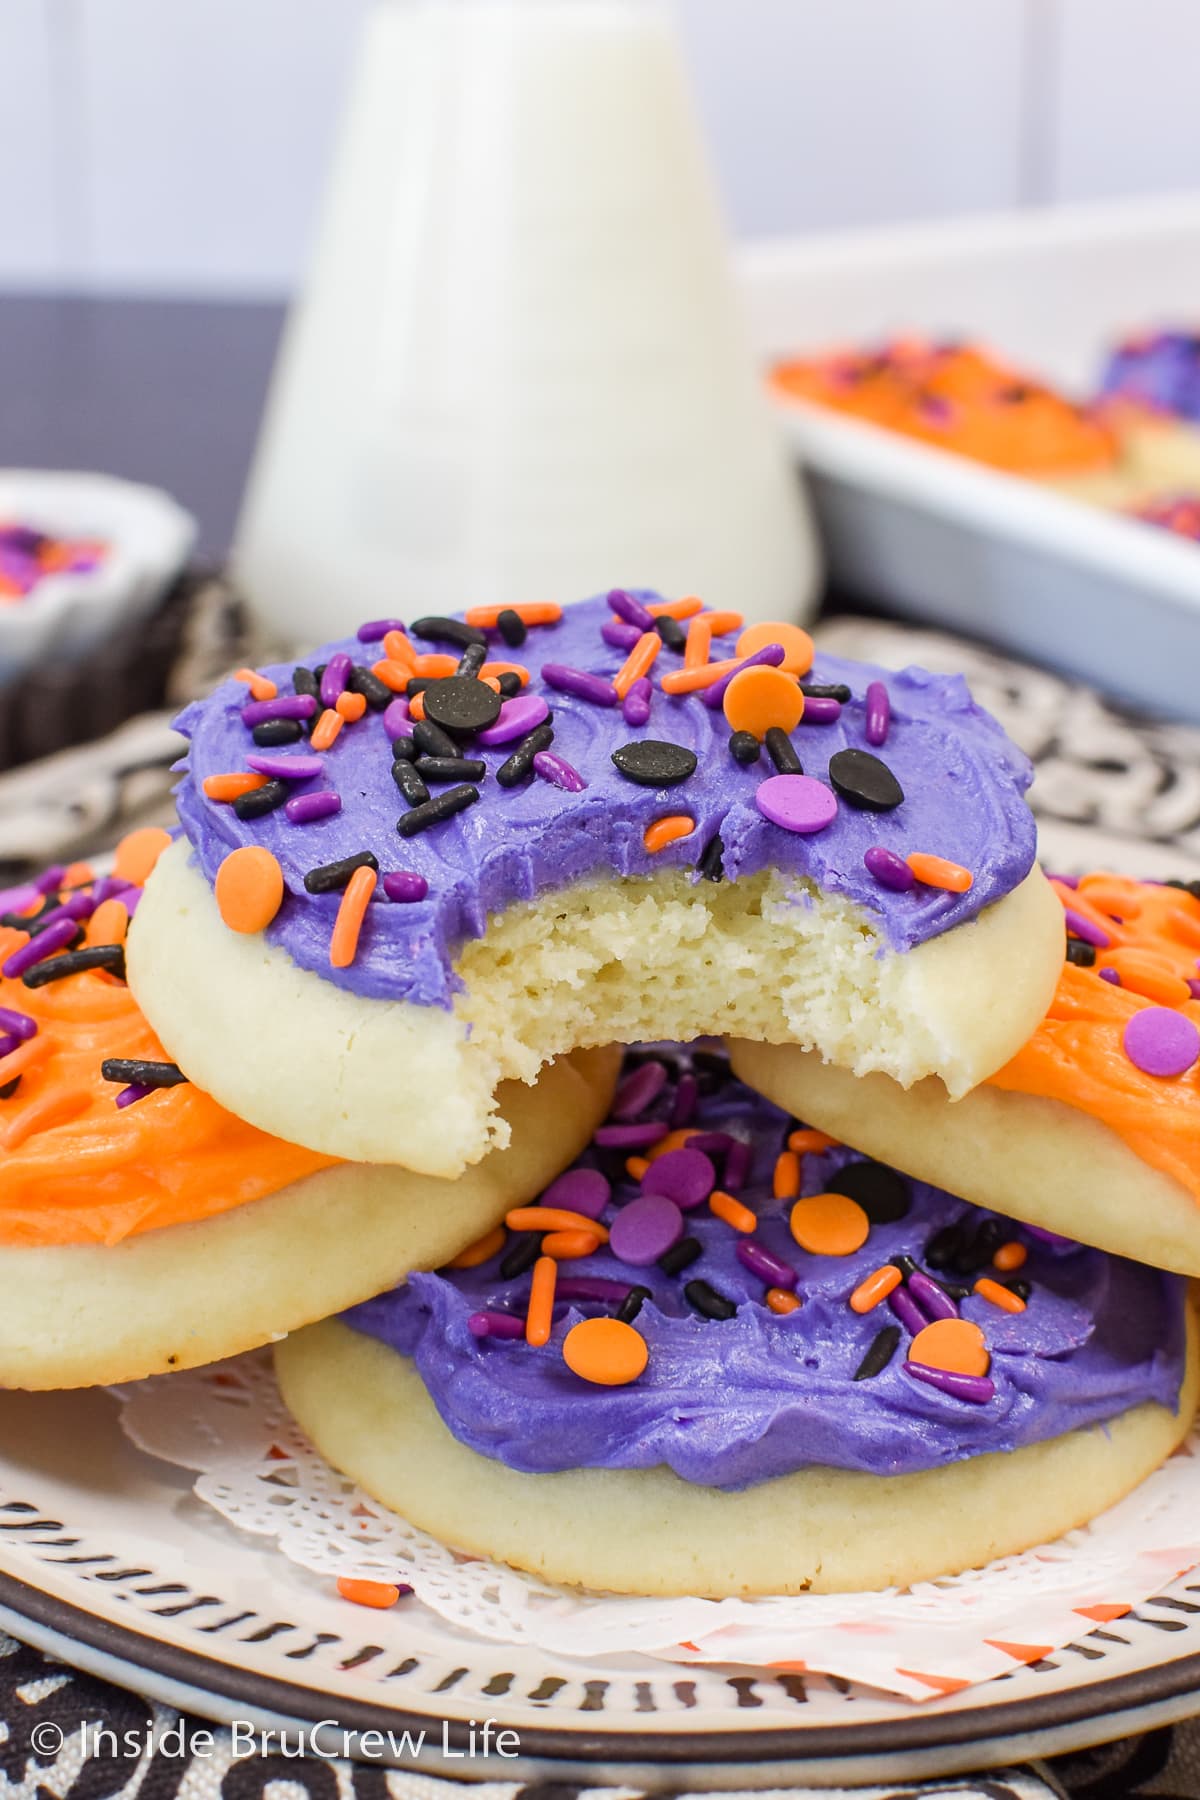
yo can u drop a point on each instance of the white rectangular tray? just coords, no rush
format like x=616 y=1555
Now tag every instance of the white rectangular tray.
x=1109 y=599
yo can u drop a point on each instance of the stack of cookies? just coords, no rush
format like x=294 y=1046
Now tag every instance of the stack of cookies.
x=861 y=1264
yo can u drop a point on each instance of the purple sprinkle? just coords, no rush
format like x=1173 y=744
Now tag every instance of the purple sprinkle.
x=375 y=629
x=284 y=706
x=579 y=683
x=645 y=1230
x=302 y=809
x=8 y=1044
x=591 y=1287
x=1194 y=986
x=517 y=716
x=129 y=1095
x=737 y=1165
x=584 y=1191
x=110 y=887
x=631 y=610
x=495 y=1324
x=405 y=885
x=620 y=635
x=286 y=768
x=131 y=899
x=75 y=906
x=396 y=721
x=21 y=899
x=333 y=681
x=714 y=696
x=1083 y=928
x=820 y=709
x=796 y=802
x=50 y=879
x=1109 y=975
x=933 y=1300
x=638 y=1090
x=54 y=938
x=1071 y=881
x=889 y=870
x=879 y=712
x=636 y=705
x=686 y=1095
x=713 y=1143
x=907 y=1310
x=1160 y=1041
x=17 y=1024
x=629 y=1137
x=761 y=1262
x=978 y=1389
x=685 y=1176
x=557 y=770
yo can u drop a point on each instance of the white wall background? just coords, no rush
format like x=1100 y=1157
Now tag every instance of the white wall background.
x=177 y=145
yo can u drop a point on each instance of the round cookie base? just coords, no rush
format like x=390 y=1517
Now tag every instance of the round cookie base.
x=645 y=1531
x=1022 y=1155
x=620 y=960
x=85 y=1315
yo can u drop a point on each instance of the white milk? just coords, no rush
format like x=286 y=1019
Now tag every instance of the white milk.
x=517 y=370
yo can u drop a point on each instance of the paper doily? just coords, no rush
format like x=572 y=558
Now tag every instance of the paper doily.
x=256 y=1469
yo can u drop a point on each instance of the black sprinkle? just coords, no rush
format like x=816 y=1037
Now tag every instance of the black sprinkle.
x=512 y=628
x=905 y=1264
x=680 y=1256
x=709 y=866
x=521 y=1255
x=74 y=962
x=707 y=1301
x=432 y=812
x=431 y=740
x=976 y=1251
x=404 y=750
x=520 y=764
x=864 y=781
x=462 y=705
x=1081 y=954
x=447 y=631
x=510 y=684
x=671 y=632
x=957 y=1290
x=825 y=690
x=744 y=747
x=472 y=660
x=132 y=1069
x=782 y=751
x=943 y=1247
x=10 y=1088
x=416 y=684
x=261 y=800
x=450 y=768
x=883 y=1194
x=331 y=877
x=405 y=776
x=33 y=923
x=1018 y=1286
x=879 y=1354
x=276 y=732
x=652 y=762
x=317 y=674
x=630 y=1306
x=305 y=682
x=376 y=693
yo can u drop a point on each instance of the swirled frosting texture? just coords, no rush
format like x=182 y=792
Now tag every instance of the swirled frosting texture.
x=726 y=1403
x=963 y=783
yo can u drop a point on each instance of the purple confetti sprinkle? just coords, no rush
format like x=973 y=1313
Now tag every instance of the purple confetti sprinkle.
x=1161 y=1042
x=619 y=635
x=405 y=885
x=628 y=1137
x=645 y=1230
x=636 y=705
x=631 y=610
x=907 y=1310
x=519 y=715
x=685 y=1176
x=889 y=870
x=579 y=683
x=1109 y=975
x=54 y=938
x=796 y=802
x=17 y=1024
x=333 y=681
x=686 y=1095
x=1083 y=928
x=584 y=1191
x=879 y=712
x=21 y=899
x=591 y=1287
x=286 y=768
x=396 y=721
x=50 y=879
x=128 y=1096
x=762 y=1262
x=977 y=1389
x=558 y=771
x=284 y=706
x=302 y=809
x=495 y=1324
x=376 y=629
x=638 y=1090
x=109 y=888
x=737 y=1165
x=76 y=906
x=933 y=1300
x=821 y=709
x=714 y=696
x=131 y=899
x=713 y=1143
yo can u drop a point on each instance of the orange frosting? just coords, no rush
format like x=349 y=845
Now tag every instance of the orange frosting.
x=75 y=1168
x=961 y=398
x=1076 y=1054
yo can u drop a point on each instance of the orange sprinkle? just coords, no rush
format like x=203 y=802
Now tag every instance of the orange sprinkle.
x=761 y=697
x=955 y=1345
x=687 y=681
x=78 y=874
x=397 y=647
x=672 y=1140
x=343 y=945
x=829 y=1225
x=435 y=664
x=699 y=642
x=722 y=623
x=936 y=871
x=491 y=671
x=138 y=852
x=687 y=608
x=491 y=681
x=732 y=1211
x=351 y=706
x=24 y=1056
x=325 y=731
x=1112 y=894
x=1183 y=925
x=249 y=889
x=999 y=1295
x=553 y=1218
x=540 y=1316
x=640 y=659
x=394 y=675
x=1081 y=903
x=635 y=1167
x=232 y=787
x=809 y=1140
x=380 y=1594
x=261 y=686
x=796 y=643
x=534 y=612
x=875 y=1288
x=481 y=1251
x=1142 y=972
x=416 y=707
x=108 y=924
x=566 y=1246
x=1010 y=1256
x=780 y=1300
x=785 y=1182
x=666 y=831
x=43 y=1114
x=606 y=1351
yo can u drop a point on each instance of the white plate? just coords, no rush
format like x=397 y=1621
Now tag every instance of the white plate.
x=1109 y=599
x=108 y=1561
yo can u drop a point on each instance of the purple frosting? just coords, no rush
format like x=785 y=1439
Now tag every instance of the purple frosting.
x=963 y=783
x=726 y=1403
x=1160 y=369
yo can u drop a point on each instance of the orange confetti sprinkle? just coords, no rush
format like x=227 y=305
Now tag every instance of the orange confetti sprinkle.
x=638 y=663
x=939 y=872
x=379 y=1594
x=796 y=644
x=78 y=874
x=232 y=787
x=397 y=647
x=1112 y=894
x=351 y=706
x=326 y=729
x=874 y=1288
x=722 y=623
x=672 y=1140
x=261 y=686
x=999 y=1295
x=732 y=1211
x=1010 y=1256
x=635 y=1167
x=24 y=1056
x=481 y=1251
x=416 y=707
x=699 y=642
x=687 y=608
x=829 y=1225
x=534 y=612
x=394 y=675
x=1080 y=903
x=108 y=924
x=567 y=1246
x=138 y=852
x=540 y=1314
x=786 y=1180
x=605 y=1351
x=666 y=831
x=1142 y=972
x=761 y=697
x=553 y=1218
x=781 y=1300
x=491 y=671
x=809 y=1140
x=435 y=665
x=249 y=889
x=688 y=681
x=955 y=1345
x=343 y=945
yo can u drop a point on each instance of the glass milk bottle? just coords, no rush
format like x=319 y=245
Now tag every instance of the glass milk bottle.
x=517 y=369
